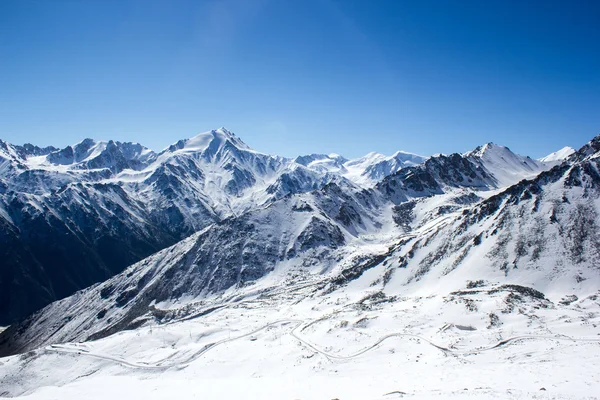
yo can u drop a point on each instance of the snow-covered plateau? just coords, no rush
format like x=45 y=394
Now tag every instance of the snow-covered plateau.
x=470 y=276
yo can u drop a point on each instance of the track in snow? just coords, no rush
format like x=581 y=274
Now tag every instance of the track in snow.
x=161 y=365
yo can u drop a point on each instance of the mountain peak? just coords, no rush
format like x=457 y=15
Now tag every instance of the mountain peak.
x=487 y=148
x=589 y=149
x=558 y=155
x=369 y=158
x=225 y=131
x=8 y=151
x=86 y=142
x=215 y=138
x=507 y=167
x=405 y=156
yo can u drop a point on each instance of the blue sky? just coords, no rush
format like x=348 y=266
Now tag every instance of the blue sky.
x=293 y=77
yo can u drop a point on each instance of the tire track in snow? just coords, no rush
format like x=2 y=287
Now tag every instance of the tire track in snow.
x=299 y=323
x=501 y=343
x=158 y=365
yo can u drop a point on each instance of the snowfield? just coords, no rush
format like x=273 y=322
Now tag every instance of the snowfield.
x=354 y=344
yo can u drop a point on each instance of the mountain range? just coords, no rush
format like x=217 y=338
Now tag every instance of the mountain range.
x=79 y=215
x=120 y=261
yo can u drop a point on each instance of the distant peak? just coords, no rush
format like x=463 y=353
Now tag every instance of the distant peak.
x=589 y=149
x=85 y=143
x=489 y=147
x=214 y=138
x=225 y=131
x=567 y=148
x=559 y=155
x=401 y=154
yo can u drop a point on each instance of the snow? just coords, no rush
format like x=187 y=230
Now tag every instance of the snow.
x=292 y=344
x=372 y=168
x=506 y=166
x=558 y=156
x=199 y=142
x=216 y=138
x=94 y=151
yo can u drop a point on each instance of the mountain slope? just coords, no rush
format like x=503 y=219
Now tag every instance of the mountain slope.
x=298 y=231
x=486 y=168
x=505 y=166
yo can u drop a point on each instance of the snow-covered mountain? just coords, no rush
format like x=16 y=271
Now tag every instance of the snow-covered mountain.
x=78 y=215
x=297 y=226
x=457 y=261
x=503 y=165
x=364 y=171
x=83 y=200
x=558 y=156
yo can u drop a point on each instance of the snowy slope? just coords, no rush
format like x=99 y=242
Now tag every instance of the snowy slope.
x=505 y=166
x=558 y=156
x=83 y=199
x=11 y=163
x=296 y=231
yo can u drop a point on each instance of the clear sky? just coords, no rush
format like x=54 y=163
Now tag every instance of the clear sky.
x=300 y=76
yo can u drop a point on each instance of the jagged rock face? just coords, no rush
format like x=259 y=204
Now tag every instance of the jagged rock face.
x=38 y=182
x=69 y=240
x=435 y=176
x=30 y=150
x=118 y=157
x=300 y=180
x=11 y=163
x=82 y=151
x=63 y=157
x=590 y=149
x=114 y=156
